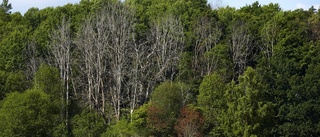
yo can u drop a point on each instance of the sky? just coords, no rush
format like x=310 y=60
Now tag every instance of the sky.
x=284 y=4
x=23 y=5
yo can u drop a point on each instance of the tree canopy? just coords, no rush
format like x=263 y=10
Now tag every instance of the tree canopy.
x=159 y=68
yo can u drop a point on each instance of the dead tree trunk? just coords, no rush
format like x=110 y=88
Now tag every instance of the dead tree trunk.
x=240 y=47
x=119 y=49
x=61 y=45
x=207 y=36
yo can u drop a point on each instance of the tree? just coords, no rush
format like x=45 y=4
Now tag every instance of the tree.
x=269 y=34
x=47 y=79
x=88 y=123
x=298 y=114
x=6 y=6
x=314 y=21
x=249 y=111
x=166 y=40
x=240 y=47
x=190 y=122
x=93 y=65
x=135 y=125
x=16 y=82
x=120 y=29
x=61 y=49
x=166 y=101
x=212 y=101
x=105 y=41
x=207 y=37
x=3 y=78
x=27 y=114
x=12 y=46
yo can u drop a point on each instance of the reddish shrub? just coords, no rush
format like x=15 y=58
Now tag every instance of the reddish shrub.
x=156 y=120
x=190 y=123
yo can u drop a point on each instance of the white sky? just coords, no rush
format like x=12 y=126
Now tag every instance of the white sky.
x=23 y=5
x=284 y=4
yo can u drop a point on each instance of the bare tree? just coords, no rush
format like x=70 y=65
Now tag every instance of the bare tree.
x=105 y=41
x=116 y=68
x=33 y=61
x=207 y=36
x=137 y=75
x=120 y=27
x=269 y=37
x=91 y=43
x=156 y=59
x=166 y=41
x=269 y=34
x=240 y=48
x=60 y=47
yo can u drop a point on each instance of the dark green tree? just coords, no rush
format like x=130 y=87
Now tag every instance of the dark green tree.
x=16 y=82
x=48 y=79
x=5 y=6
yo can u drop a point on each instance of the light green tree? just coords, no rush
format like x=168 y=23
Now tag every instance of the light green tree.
x=212 y=101
x=27 y=114
x=88 y=124
x=249 y=112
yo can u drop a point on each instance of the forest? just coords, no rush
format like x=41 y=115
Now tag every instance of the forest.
x=159 y=68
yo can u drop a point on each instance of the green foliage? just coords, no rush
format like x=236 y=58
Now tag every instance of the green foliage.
x=27 y=114
x=277 y=95
x=166 y=101
x=33 y=17
x=88 y=123
x=223 y=62
x=299 y=115
x=120 y=129
x=185 y=70
x=3 y=78
x=16 y=82
x=5 y=6
x=12 y=46
x=168 y=95
x=12 y=82
x=237 y=109
x=211 y=99
x=137 y=126
x=253 y=112
x=47 y=79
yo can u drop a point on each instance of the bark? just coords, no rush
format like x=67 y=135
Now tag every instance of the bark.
x=60 y=48
x=105 y=42
x=118 y=70
x=207 y=36
x=91 y=44
x=269 y=38
x=120 y=28
x=240 y=48
x=33 y=61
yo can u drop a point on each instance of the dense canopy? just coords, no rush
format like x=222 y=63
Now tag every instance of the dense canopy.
x=159 y=68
